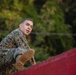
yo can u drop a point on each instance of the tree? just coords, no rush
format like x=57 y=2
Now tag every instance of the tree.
x=48 y=24
x=69 y=9
x=51 y=23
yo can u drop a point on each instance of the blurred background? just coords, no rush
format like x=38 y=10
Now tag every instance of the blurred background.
x=54 y=29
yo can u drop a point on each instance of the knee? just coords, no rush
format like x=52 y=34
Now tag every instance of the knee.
x=32 y=51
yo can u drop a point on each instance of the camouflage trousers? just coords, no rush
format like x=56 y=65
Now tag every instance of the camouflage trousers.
x=8 y=57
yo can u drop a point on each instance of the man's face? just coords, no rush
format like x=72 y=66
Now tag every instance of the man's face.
x=27 y=26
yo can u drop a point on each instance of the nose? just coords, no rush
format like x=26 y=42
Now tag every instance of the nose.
x=29 y=27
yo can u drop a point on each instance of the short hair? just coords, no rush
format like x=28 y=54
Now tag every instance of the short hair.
x=27 y=19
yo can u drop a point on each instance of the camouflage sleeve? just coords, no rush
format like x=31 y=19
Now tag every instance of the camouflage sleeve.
x=21 y=41
x=8 y=42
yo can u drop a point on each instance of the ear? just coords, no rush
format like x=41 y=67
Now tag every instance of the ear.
x=20 y=25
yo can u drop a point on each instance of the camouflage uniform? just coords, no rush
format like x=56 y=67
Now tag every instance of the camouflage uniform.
x=12 y=45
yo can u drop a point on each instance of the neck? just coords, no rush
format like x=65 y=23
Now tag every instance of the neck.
x=21 y=30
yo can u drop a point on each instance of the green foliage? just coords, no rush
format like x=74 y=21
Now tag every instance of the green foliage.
x=48 y=37
x=41 y=54
x=52 y=30
x=69 y=9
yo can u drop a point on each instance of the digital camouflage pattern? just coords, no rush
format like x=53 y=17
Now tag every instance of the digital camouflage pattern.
x=12 y=45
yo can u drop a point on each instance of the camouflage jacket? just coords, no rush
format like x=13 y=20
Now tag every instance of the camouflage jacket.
x=14 y=40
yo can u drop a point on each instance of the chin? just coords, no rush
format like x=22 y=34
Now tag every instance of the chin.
x=26 y=34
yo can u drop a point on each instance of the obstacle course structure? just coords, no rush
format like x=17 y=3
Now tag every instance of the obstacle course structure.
x=63 y=64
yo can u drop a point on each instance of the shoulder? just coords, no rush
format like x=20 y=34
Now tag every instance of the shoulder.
x=10 y=36
x=18 y=32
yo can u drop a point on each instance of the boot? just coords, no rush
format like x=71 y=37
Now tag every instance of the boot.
x=23 y=59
